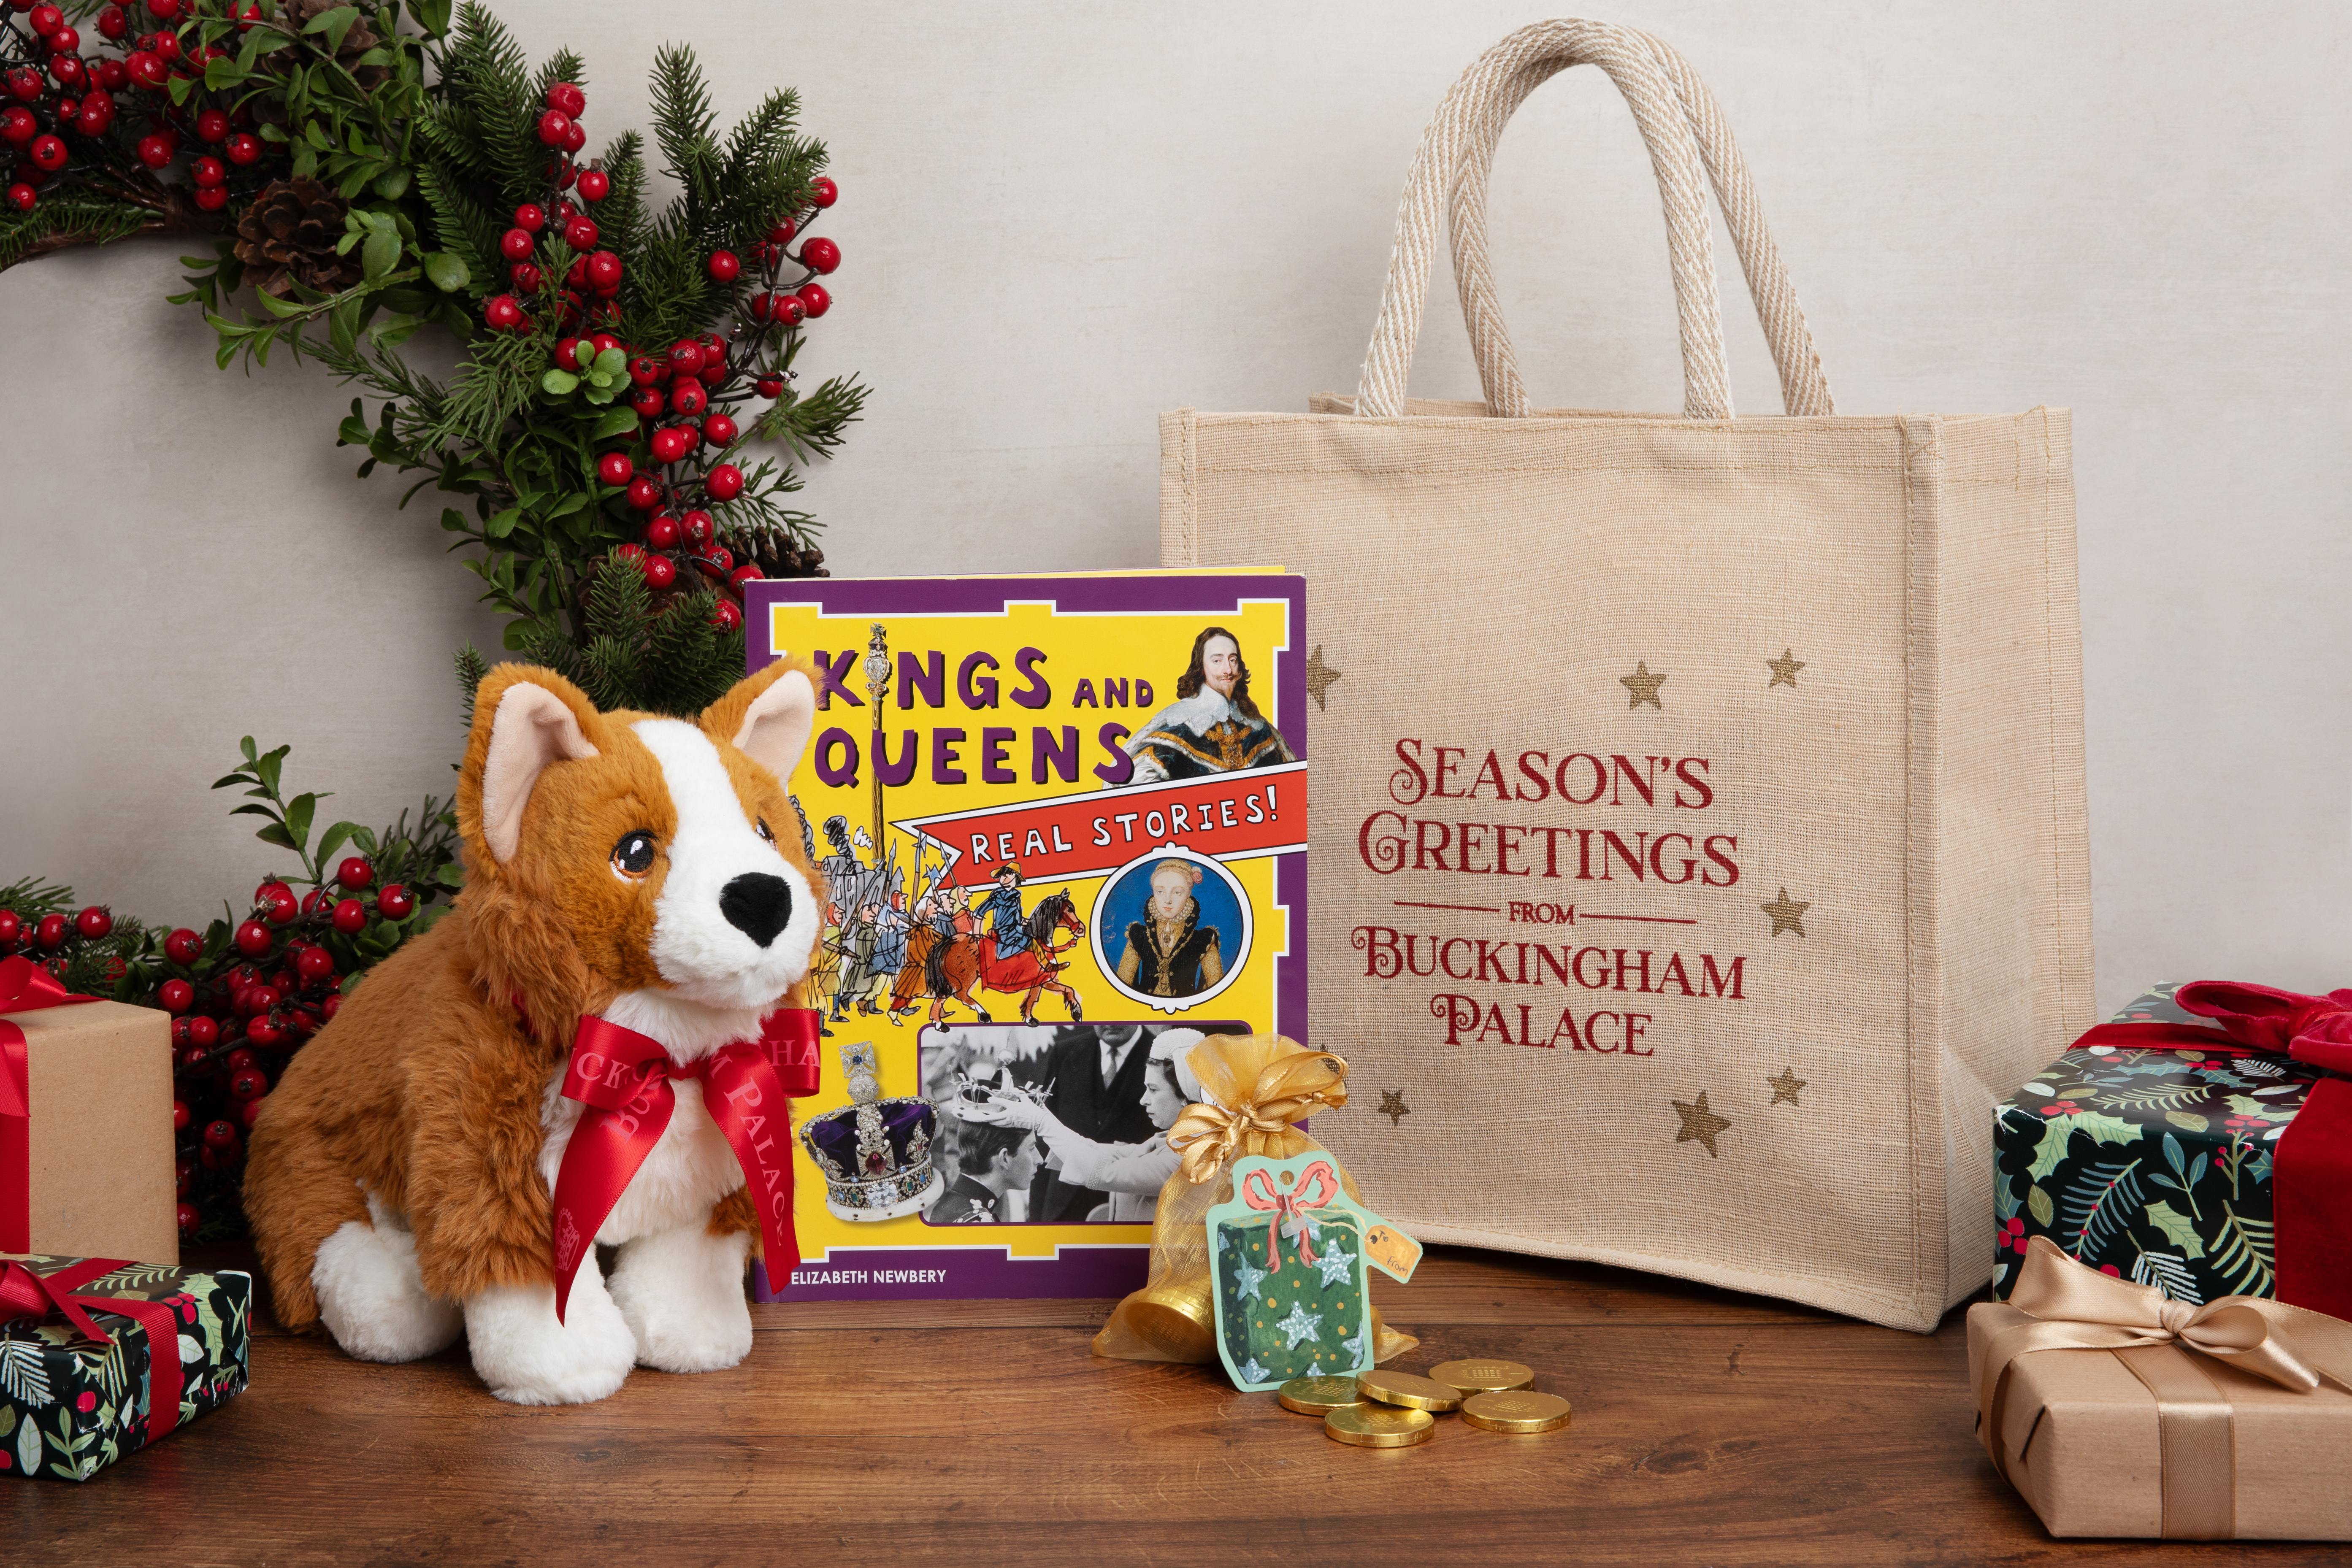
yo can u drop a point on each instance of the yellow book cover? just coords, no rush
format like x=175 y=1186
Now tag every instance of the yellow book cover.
x=1062 y=822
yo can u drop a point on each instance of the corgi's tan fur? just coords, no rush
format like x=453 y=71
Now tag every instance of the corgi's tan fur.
x=399 y=1175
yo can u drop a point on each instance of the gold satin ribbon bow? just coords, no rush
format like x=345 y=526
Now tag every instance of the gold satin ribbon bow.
x=1259 y=1122
x=2079 y=1307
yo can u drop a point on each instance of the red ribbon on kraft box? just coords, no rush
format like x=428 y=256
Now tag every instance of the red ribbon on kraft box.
x=25 y=987
x=2312 y=1185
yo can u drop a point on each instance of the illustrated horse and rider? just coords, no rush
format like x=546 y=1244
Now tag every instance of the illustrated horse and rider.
x=948 y=957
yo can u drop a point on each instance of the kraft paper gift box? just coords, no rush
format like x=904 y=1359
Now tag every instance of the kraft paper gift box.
x=2206 y=1161
x=2117 y=1412
x=86 y=1156
x=100 y=1358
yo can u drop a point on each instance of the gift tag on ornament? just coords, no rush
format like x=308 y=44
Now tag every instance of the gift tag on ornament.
x=1286 y=1263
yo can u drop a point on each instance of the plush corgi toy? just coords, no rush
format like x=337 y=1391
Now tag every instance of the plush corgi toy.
x=645 y=872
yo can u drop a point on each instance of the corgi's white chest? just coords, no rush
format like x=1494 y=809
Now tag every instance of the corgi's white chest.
x=690 y=1167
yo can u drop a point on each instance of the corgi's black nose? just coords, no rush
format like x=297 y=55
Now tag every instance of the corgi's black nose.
x=757 y=905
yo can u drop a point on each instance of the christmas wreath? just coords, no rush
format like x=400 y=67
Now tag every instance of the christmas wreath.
x=366 y=174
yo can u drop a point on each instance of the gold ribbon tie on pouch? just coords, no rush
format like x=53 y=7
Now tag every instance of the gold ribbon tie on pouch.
x=1284 y=1090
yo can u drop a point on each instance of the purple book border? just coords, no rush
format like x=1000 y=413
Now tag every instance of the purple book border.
x=983 y=1273
x=966 y=1273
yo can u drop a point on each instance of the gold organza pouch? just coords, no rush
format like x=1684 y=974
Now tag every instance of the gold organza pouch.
x=1257 y=1086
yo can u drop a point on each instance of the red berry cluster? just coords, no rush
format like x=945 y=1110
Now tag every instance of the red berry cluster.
x=687 y=395
x=592 y=281
x=684 y=397
x=45 y=938
x=238 y=1015
x=55 y=97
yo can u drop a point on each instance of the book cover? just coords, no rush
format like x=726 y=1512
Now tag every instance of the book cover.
x=1063 y=827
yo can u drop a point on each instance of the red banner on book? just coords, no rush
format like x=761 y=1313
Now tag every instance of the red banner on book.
x=1226 y=816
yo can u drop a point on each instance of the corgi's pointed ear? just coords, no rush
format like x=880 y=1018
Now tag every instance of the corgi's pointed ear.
x=768 y=717
x=525 y=720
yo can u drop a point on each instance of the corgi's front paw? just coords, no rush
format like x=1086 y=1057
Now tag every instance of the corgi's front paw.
x=681 y=1293
x=526 y=1358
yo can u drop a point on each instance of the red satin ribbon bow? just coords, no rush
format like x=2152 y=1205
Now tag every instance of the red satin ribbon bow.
x=2316 y=1029
x=623 y=1078
x=24 y=1293
x=25 y=987
x=2311 y=1182
x=1258 y=1192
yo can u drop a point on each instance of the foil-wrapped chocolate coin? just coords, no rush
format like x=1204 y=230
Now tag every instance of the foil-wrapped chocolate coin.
x=1515 y=1410
x=1319 y=1396
x=1409 y=1389
x=1483 y=1375
x=1379 y=1426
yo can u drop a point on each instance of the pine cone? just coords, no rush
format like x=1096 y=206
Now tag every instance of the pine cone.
x=776 y=556
x=298 y=15
x=288 y=235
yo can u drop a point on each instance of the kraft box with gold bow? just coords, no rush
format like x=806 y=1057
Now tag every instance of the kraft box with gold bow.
x=99 y=1357
x=2116 y=1410
x=2200 y=1144
x=86 y=1159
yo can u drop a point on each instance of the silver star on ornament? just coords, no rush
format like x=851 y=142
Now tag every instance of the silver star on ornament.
x=1300 y=1325
x=1336 y=1265
x=1250 y=1279
x=1354 y=1347
x=1252 y=1372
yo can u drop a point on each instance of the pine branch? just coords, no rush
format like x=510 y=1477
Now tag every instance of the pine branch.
x=816 y=424
x=756 y=513
x=669 y=286
x=753 y=142
x=464 y=228
x=565 y=65
x=471 y=668
x=61 y=222
x=484 y=76
x=622 y=214
x=683 y=122
x=496 y=384
x=32 y=897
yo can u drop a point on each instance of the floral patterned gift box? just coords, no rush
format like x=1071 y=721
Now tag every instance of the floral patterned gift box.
x=2151 y=1156
x=70 y=1405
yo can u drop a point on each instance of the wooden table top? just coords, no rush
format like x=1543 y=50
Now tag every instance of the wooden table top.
x=1710 y=1428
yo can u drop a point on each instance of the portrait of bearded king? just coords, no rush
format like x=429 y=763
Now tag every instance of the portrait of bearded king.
x=1213 y=726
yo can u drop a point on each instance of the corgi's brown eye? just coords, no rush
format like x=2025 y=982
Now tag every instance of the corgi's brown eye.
x=763 y=825
x=633 y=855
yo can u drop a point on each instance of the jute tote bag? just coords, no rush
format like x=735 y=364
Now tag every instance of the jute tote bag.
x=1698 y=835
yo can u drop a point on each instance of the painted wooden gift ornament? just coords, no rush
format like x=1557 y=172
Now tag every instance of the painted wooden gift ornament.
x=1288 y=1258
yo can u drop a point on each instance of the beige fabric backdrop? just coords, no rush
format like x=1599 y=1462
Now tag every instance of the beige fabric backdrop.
x=1061 y=219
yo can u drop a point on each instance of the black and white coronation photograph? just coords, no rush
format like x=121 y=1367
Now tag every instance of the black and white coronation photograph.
x=1062 y=1124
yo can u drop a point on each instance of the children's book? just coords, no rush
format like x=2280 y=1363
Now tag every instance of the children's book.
x=1061 y=823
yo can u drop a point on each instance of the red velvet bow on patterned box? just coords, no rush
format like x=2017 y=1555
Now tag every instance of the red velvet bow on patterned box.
x=2313 y=1186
